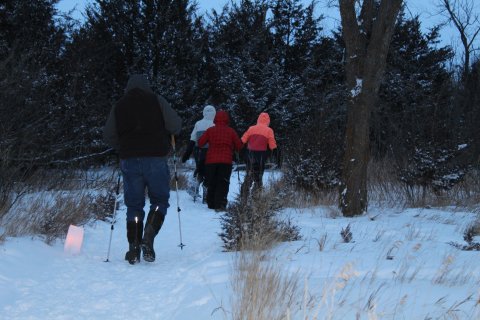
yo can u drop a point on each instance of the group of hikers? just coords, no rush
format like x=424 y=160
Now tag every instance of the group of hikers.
x=212 y=142
x=139 y=127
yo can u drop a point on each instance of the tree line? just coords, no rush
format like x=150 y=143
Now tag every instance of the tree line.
x=59 y=78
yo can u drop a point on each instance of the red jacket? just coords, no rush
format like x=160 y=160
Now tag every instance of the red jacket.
x=222 y=140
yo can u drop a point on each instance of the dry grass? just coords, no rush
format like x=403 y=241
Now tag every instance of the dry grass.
x=324 y=305
x=322 y=241
x=449 y=275
x=181 y=183
x=384 y=188
x=53 y=200
x=261 y=290
x=291 y=198
x=46 y=202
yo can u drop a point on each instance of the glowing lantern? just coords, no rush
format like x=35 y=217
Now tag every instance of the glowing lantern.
x=73 y=242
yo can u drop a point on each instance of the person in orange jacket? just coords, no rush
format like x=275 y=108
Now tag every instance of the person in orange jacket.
x=260 y=141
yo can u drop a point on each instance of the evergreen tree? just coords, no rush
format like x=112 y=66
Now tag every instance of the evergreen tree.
x=415 y=96
x=240 y=56
x=31 y=44
x=416 y=115
x=295 y=32
x=284 y=24
x=470 y=111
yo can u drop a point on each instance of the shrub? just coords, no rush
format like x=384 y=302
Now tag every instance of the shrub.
x=253 y=223
x=433 y=166
x=472 y=231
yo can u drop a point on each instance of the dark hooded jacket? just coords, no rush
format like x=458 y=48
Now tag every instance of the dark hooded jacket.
x=222 y=140
x=140 y=123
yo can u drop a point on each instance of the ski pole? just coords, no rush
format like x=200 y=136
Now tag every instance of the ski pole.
x=181 y=245
x=114 y=216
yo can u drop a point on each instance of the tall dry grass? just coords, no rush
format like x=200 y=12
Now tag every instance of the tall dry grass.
x=54 y=199
x=181 y=182
x=262 y=290
x=385 y=189
x=45 y=202
x=290 y=197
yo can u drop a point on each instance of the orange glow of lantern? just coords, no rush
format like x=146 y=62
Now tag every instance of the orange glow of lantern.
x=74 y=240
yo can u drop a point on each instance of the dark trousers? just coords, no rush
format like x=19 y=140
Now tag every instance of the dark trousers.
x=142 y=173
x=218 y=183
x=199 y=155
x=255 y=163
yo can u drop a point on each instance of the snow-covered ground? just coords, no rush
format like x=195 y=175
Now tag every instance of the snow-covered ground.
x=398 y=265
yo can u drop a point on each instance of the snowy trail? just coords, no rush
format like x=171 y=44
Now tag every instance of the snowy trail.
x=178 y=285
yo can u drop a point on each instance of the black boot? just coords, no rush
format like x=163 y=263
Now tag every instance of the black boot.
x=134 y=236
x=154 y=223
x=133 y=253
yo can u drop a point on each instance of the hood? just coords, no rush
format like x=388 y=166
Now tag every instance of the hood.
x=138 y=81
x=209 y=112
x=221 y=117
x=264 y=119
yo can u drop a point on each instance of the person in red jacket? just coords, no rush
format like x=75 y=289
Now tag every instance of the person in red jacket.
x=260 y=140
x=222 y=141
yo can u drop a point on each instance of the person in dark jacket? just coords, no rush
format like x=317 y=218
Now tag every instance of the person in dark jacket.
x=260 y=141
x=223 y=141
x=138 y=128
x=200 y=153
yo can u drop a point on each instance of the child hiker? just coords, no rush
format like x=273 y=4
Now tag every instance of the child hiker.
x=260 y=141
x=199 y=154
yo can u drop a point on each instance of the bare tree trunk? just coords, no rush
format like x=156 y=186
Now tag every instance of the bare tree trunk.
x=366 y=40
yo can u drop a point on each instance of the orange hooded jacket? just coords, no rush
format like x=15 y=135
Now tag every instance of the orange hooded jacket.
x=260 y=136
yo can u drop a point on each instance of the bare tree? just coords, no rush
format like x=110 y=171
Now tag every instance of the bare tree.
x=367 y=39
x=463 y=14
